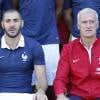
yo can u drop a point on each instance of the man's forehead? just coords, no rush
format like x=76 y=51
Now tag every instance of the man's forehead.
x=87 y=16
x=11 y=15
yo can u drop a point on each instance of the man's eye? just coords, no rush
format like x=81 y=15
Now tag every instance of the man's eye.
x=16 y=20
x=8 y=20
x=84 y=22
x=92 y=21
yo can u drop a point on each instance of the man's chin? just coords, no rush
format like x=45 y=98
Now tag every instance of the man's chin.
x=12 y=35
x=90 y=36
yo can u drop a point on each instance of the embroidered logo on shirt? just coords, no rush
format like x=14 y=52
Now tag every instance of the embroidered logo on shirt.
x=97 y=71
x=76 y=60
x=24 y=56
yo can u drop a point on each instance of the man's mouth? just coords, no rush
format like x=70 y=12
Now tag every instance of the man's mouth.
x=88 y=30
x=12 y=29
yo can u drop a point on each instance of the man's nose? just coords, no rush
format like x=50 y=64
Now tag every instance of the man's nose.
x=12 y=23
x=88 y=24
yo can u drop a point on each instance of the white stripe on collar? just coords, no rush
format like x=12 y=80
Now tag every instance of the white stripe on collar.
x=88 y=50
x=20 y=44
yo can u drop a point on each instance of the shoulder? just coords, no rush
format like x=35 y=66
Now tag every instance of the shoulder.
x=69 y=48
x=72 y=44
x=31 y=41
x=32 y=44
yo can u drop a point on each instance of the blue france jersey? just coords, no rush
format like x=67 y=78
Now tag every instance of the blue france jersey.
x=40 y=21
x=16 y=66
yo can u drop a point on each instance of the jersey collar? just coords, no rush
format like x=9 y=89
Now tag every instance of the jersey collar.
x=20 y=44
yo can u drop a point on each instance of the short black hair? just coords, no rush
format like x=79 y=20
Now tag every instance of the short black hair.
x=11 y=11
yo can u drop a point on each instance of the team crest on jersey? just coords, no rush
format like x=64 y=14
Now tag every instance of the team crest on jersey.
x=24 y=57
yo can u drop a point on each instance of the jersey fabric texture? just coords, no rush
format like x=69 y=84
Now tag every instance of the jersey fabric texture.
x=16 y=66
x=40 y=21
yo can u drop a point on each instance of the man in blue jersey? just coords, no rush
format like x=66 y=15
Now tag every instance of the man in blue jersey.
x=19 y=57
x=4 y=5
x=40 y=24
x=72 y=7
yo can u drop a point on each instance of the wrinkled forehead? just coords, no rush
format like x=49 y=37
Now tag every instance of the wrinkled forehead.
x=11 y=15
x=88 y=15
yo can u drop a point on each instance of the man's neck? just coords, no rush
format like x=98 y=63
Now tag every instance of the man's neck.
x=12 y=42
x=88 y=42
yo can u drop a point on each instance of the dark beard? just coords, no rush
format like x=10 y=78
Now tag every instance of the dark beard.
x=11 y=36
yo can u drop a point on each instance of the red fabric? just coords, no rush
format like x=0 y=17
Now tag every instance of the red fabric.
x=63 y=31
x=74 y=68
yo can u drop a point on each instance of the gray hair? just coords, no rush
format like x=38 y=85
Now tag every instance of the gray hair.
x=87 y=10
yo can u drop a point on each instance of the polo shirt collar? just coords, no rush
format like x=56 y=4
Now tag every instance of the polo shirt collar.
x=84 y=45
x=88 y=50
x=20 y=44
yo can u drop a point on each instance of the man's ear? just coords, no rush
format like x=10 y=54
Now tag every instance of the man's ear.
x=97 y=24
x=22 y=23
x=2 y=25
x=78 y=26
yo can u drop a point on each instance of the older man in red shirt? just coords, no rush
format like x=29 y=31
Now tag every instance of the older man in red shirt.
x=78 y=72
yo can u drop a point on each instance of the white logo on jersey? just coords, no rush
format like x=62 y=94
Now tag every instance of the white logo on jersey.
x=24 y=56
x=76 y=60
